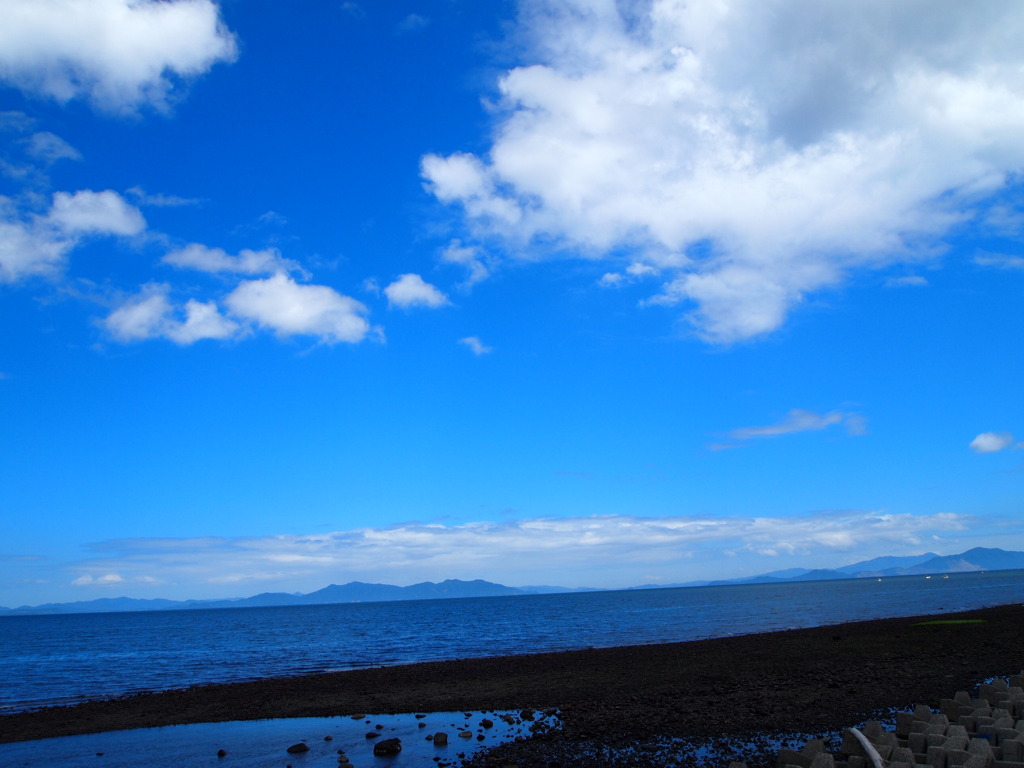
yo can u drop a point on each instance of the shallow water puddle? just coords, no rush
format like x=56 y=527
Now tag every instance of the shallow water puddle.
x=264 y=743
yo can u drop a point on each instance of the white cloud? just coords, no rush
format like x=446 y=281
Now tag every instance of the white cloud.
x=796 y=421
x=203 y=320
x=88 y=212
x=991 y=442
x=410 y=290
x=413 y=23
x=999 y=261
x=119 y=54
x=38 y=245
x=765 y=149
x=27 y=251
x=106 y=580
x=467 y=256
x=287 y=308
x=906 y=281
x=609 y=551
x=50 y=148
x=141 y=197
x=247 y=262
x=634 y=272
x=150 y=315
x=476 y=346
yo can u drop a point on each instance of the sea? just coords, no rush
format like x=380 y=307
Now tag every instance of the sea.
x=49 y=660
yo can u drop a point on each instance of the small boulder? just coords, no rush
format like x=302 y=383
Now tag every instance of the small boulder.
x=440 y=739
x=387 y=747
x=296 y=749
x=485 y=723
x=372 y=735
x=221 y=752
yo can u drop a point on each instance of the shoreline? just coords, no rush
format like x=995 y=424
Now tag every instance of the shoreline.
x=801 y=680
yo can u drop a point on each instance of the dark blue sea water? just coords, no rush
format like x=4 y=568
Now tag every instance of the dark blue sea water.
x=47 y=660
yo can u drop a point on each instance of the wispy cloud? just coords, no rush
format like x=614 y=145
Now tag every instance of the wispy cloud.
x=1000 y=261
x=796 y=421
x=141 y=197
x=476 y=346
x=49 y=148
x=469 y=257
x=991 y=442
x=907 y=281
x=414 y=22
x=612 y=551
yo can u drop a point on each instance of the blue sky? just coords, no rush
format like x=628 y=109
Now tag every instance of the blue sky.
x=540 y=292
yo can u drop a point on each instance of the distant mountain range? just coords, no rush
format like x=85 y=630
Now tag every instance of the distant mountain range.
x=973 y=560
x=353 y=592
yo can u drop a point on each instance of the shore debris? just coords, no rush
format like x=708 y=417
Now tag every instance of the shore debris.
x=965 y=732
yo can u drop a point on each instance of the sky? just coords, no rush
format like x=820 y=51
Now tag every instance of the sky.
x=565 y=292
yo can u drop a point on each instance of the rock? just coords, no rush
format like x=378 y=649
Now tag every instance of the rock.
x=296 y=749
x=372 y=735
x=440 y=739
x=485 y=723
x=526 y=714
x=387 y=747
x=221 y=752
x=465 y=734
x=328 y=738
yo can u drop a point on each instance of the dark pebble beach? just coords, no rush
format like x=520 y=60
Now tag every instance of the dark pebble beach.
x=651 y=705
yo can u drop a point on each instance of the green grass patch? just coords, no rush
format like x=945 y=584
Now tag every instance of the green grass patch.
x=948 y=622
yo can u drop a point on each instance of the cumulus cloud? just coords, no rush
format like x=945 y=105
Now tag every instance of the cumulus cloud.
x=247 y=262
x=277 y=304
x=103 y=212
x=118 y=54
x=761 y=150
x=28 y=251
x=38 y=245
x=149 y=315
x=991 y=442
x=612 y=550
x=476 y=346
x=288 y=308
x=798 y=420
x=411 y=290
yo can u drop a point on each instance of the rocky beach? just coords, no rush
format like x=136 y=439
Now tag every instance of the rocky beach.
x=701 y=702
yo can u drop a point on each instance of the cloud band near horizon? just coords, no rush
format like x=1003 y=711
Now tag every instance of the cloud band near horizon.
x=600 y=551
